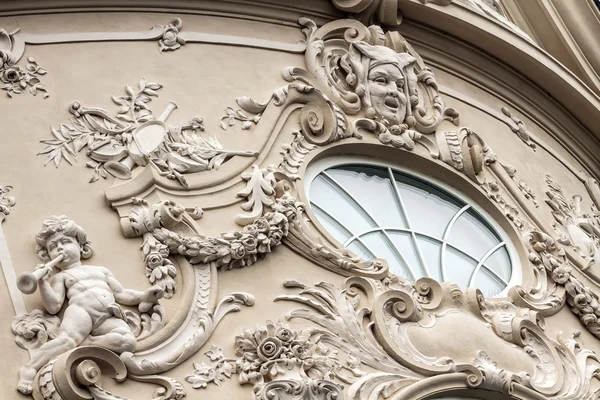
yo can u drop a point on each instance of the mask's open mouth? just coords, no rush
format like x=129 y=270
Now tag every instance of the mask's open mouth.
x=392 y=102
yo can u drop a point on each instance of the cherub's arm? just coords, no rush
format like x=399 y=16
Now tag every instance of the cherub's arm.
x=131 y=297
x=53 y=292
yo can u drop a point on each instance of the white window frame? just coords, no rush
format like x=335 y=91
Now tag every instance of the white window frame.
x=316 y=167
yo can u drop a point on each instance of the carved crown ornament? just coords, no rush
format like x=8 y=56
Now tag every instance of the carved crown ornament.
x=358 y=85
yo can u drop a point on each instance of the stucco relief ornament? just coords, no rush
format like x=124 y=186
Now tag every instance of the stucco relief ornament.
x=520 y=129
x=134 y=137
x=93 y=315
x=547 y=254
x=375 y=322
x=14 y=78
x=379 y=75
x=574 y=227
x=6 y=202
x=273 y=358
x=171 y=40
x=357 y=80
x=169 y=235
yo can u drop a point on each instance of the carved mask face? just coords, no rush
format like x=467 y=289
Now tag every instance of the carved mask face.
x=60 y=243
x=386 y=87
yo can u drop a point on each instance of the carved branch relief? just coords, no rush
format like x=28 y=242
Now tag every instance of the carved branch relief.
x=135 y=137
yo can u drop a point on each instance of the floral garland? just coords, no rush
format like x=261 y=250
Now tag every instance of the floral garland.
x=236 y=249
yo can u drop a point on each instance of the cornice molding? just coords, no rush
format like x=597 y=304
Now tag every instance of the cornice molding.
x=554 y=112
x=522 y=55
x=284 y=12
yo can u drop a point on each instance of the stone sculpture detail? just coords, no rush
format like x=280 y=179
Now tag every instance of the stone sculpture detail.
x=520 y=129
x=6 y=202
x=265 y=354
x=14 y=78
x=358 y=82
x=377 y=74
x=574 y=228
x=171 y=40
x=93 y=315
x=206 y=255
x=76 y=375
x=378 y=357
x=116 y=145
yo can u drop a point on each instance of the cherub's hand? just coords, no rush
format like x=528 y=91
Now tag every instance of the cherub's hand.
x=150 y=298
x=47 y=275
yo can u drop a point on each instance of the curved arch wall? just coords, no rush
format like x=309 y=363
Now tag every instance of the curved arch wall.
x=156 y=228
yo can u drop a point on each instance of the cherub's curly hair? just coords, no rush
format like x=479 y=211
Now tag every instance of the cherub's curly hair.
x=68 y=227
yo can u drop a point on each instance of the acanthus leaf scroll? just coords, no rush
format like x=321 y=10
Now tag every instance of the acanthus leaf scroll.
x=360 y=339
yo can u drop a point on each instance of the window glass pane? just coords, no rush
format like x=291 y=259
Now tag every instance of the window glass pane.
x=428 y=211
x=472 y=236
x=458 y=267
x=338 y=205
x=374 y=192
x=377 y=242
x=431 y=250
x=487 y=283
x=362 y=201
x=499 y=261
x=357 y=248
x=333 y=228
x=406 y=246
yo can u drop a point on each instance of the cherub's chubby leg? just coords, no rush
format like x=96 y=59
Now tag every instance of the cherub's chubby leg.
x=76 y=325
x=113 y=334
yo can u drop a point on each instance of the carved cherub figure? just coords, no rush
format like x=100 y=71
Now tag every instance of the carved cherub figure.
x=384 y=80
x=93 y=315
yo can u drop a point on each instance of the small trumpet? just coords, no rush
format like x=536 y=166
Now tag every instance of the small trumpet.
x=28 y=281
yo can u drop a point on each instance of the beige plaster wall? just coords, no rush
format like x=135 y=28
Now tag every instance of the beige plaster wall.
x=204 y=79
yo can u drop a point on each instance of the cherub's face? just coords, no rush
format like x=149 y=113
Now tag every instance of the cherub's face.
x=386 y=86
x=59 y=243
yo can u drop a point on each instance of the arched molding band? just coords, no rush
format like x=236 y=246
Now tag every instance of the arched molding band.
x=555 y=114
x=281 y=12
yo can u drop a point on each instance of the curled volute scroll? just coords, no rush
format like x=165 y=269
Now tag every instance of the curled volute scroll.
x=369 y=321
x=77 y=375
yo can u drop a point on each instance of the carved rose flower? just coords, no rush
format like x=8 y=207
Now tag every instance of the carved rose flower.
x=262 y=225
x=300 y=350
x=284 y=334
x=561 y=274
x=170 y=39
x=12 y=74
x=238 y=251
x=276 y=236
x=264 y=243
x=154 y=260
x=269 y=349
x=251 y=230
x=6 y=59
x=249 y=243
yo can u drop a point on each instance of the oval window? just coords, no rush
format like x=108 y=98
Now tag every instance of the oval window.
x=418 y=226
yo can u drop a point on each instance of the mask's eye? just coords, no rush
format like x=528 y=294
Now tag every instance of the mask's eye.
x=52 y=246
x=381 y=80
x=399 y=84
